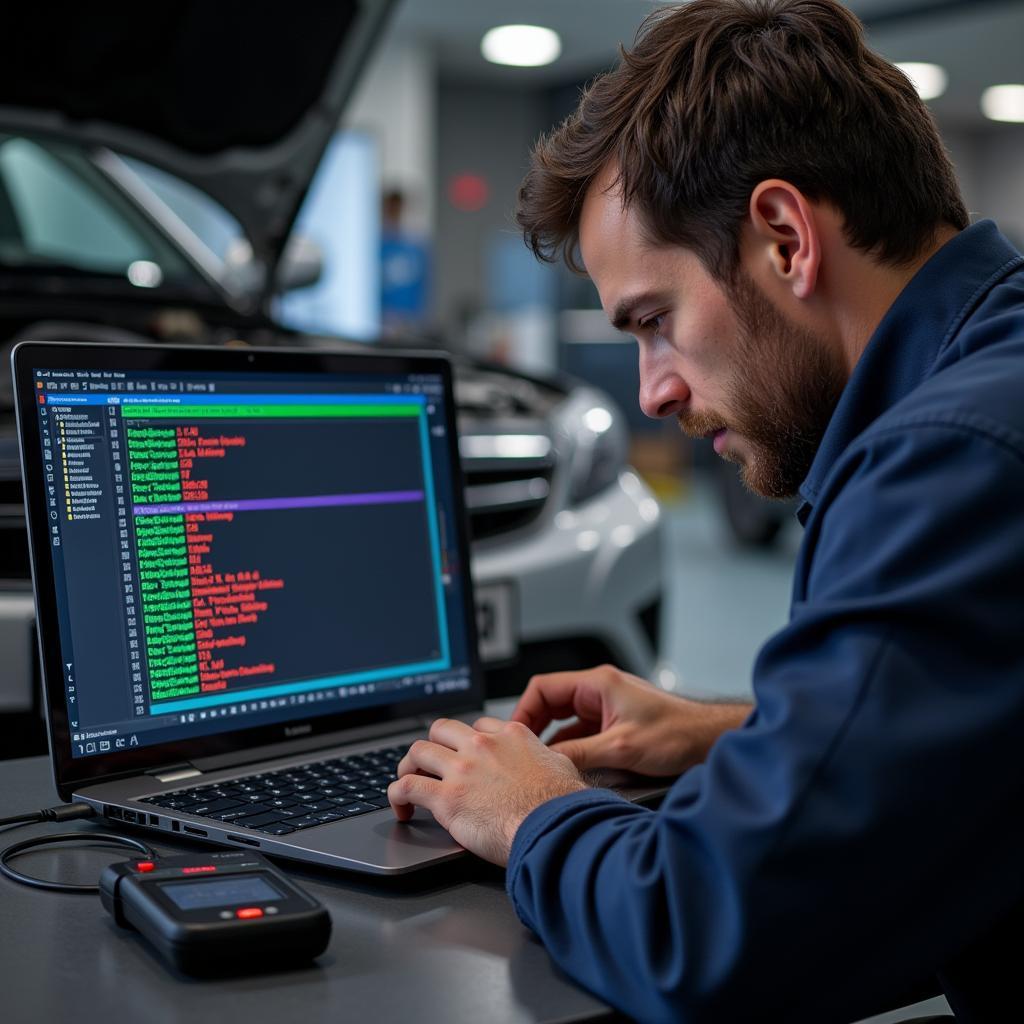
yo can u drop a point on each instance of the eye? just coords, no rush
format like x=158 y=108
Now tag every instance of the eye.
x=655 y=321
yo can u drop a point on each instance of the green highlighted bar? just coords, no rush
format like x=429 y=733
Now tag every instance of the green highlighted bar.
x=178 y=412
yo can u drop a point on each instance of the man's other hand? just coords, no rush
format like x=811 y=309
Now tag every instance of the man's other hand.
x=481 y=781
x=623 y=721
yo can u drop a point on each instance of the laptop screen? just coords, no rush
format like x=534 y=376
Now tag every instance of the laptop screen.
x=238 y=549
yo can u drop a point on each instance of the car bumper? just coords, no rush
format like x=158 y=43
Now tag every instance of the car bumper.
x=586 y=581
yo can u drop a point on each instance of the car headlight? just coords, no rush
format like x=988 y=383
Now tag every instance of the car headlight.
x=600 y=445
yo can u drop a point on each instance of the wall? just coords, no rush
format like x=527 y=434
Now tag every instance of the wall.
x=487 y=131
x=396 y=103
x=989 y=162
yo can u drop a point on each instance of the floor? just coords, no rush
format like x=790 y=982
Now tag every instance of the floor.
x=723 y=602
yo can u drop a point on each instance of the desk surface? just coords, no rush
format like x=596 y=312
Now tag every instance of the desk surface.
x=441 y=946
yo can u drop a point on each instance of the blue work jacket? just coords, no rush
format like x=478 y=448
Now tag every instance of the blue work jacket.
x=863 y=833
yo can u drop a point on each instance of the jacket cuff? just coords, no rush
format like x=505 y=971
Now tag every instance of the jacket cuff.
x=541 y=820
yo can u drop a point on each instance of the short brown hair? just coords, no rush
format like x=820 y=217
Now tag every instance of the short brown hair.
x=718 y=95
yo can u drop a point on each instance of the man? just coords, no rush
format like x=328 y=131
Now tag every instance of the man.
x=766 y=206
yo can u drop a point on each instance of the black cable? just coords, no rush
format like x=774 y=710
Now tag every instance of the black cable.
x=63 y=812
x=107 y=839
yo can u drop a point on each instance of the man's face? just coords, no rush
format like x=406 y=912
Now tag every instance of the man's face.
x=725 y=362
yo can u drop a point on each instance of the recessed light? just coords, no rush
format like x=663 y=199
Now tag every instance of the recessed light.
x=522 y=46
x=929 y=80
x=1003 y=103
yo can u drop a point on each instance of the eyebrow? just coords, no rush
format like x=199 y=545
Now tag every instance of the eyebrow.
x=625 y=311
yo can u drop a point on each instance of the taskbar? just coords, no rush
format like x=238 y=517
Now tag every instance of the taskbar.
x=160 y=727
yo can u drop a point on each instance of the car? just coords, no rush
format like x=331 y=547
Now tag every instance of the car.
x=567 y=542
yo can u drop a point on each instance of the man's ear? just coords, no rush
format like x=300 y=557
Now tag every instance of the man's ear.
x=785 y=233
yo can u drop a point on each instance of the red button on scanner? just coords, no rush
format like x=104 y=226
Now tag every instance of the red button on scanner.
x=145 y=865
x=246 y=912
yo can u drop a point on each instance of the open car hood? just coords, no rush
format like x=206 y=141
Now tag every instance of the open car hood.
x=239 y=99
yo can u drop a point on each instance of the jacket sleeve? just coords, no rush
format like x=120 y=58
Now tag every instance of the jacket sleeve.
x=864 y=826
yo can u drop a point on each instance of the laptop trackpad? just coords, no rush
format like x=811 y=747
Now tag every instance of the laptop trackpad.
x=421 y=832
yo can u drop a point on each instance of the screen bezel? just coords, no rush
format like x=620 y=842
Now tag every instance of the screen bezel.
x=71 y=773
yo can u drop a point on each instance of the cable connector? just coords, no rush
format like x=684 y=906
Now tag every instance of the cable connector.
x=67 y=812
x=62 y=812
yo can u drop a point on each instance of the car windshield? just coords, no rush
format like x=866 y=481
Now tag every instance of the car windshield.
x=61 y=215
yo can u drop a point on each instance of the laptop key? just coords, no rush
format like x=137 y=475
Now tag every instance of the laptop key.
x=280 y=829
x=350 y=810
x=210 y=809
x=242 y=811
x=325 y=816
x=364 y=794
x=307 y=822
x=259 y=820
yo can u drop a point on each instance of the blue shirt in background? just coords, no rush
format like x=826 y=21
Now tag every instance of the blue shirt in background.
x=862 y=835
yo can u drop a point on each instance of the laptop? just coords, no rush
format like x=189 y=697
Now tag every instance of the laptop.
x=251 y=574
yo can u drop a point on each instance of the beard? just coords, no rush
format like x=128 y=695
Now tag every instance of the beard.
x=780 y=397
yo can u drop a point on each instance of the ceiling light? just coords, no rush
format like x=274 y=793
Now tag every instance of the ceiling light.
x=1003 y=103
x=523 y=46
x=929 y=80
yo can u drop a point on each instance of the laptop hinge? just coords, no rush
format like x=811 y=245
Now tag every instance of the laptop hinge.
x=174 y=772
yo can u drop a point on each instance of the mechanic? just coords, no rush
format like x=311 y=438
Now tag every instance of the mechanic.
x=766 y=206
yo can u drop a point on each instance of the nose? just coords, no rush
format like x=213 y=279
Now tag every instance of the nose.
x=663 y=392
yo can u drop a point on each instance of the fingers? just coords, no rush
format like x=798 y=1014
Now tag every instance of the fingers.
x=545 y=699
x=556 y=695
x=488 y=724
x=572 y=732
x=427 y=757
x=447 y=735
x=613 y=749
x=412 y=791
x=580 y=753
x=451 y=733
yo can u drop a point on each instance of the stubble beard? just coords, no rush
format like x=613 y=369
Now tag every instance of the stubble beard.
x=780 y=398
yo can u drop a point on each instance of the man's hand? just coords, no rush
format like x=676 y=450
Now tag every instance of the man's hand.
x=480 y=782
x=623 y=721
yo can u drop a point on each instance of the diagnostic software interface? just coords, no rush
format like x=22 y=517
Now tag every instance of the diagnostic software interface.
x=232 y=551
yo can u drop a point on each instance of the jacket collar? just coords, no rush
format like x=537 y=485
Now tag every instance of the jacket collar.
x=922 y=322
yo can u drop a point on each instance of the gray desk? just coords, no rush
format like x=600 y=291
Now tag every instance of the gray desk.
x=445 y=946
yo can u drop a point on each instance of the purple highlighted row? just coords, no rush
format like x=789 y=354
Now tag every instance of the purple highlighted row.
x=263 y=504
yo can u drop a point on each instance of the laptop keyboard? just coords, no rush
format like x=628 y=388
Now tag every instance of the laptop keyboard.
x=289 y=799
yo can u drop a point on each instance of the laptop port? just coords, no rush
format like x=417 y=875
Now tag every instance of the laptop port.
x=175 y=826
x=191 y=830
x=242 y=839
x=154 y=820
